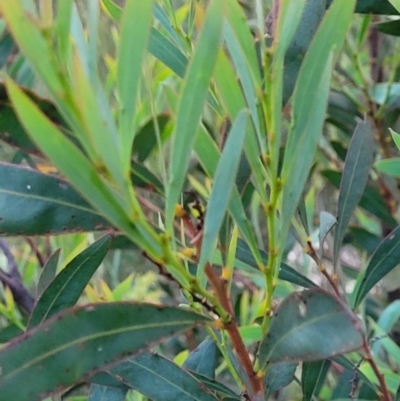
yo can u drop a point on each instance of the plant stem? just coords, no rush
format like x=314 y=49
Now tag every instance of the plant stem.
x=382 y=383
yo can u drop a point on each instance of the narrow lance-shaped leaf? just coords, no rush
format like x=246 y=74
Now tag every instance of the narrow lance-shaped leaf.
x=48 y=273
x=224 y=180
x=354 y=180
x=385 y=259
x=313 y=375
x=71 y=162
x=66 y=288
x=306 y=127
x=194 y=93
x=310 y=326
x=148 y=373
x=136 y=23
x=82 y=340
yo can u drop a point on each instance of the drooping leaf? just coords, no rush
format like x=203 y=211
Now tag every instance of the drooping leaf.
x=104 y=393
x=80 y=341
x=203 y=359
x=190 y=108
x=371 y=200
x=148 y=373
x=313 y=375
x=354 y=180
x=33 y=203
x=65 y=290
x=286 y=272
x=48 y=273
x=364 y=239
x=224 y=181
x=384 y=259
x=310 y=326
x=279 y=376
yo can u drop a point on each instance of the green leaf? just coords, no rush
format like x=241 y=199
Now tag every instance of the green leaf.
x=146 y=138
x=279 y=376
x=192 y=99
x=326 y=223
x=371 y=200
x=286 y=272
x=354 y=180
x=135 y=23
x=33 y=203
x=216 y=386
x=82 y=174
x=310 y=326
x=166 y=52
x=313 y=375
x=396 y=138
x=203 y=359
x=224 y=181
x=373 y=7
x=148 y=373
x=103 y=393
x=390 y=27
x=310 y=18
x=67 y=287
x=306 y=127
x=48 y=273
x=385 y=258
x=389 y=166
x=364 y=239
x=80 y=341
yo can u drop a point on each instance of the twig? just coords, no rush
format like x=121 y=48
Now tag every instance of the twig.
x=13 y=281
x=311 y=252
x=385 y=396
x=35 y=249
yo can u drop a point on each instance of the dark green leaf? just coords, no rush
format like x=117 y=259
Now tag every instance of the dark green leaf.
x=286 y=272
x=203 y=359
x=48 y=273
x=354 y=180
x=373 y=7
x=10 y=332
x=146 y=139
x=103 y=393
x=66 y=288
x=165 y=51
x=310 y=326
x=149 y=373
x=278 y=376
x=371 y=200
x=216 y=386
x=312 y=378
x=344 y=385
x=342 y=112
x=6 y=46
x=390 y=27
x=385 y=258
x=310 y=20
x=363 y=239
x=32 y=203
x=142 y=177
x=82 y=340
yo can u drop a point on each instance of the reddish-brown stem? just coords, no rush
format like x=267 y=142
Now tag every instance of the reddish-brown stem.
x=311 y=252
x=220 y=288
x=385 y=396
